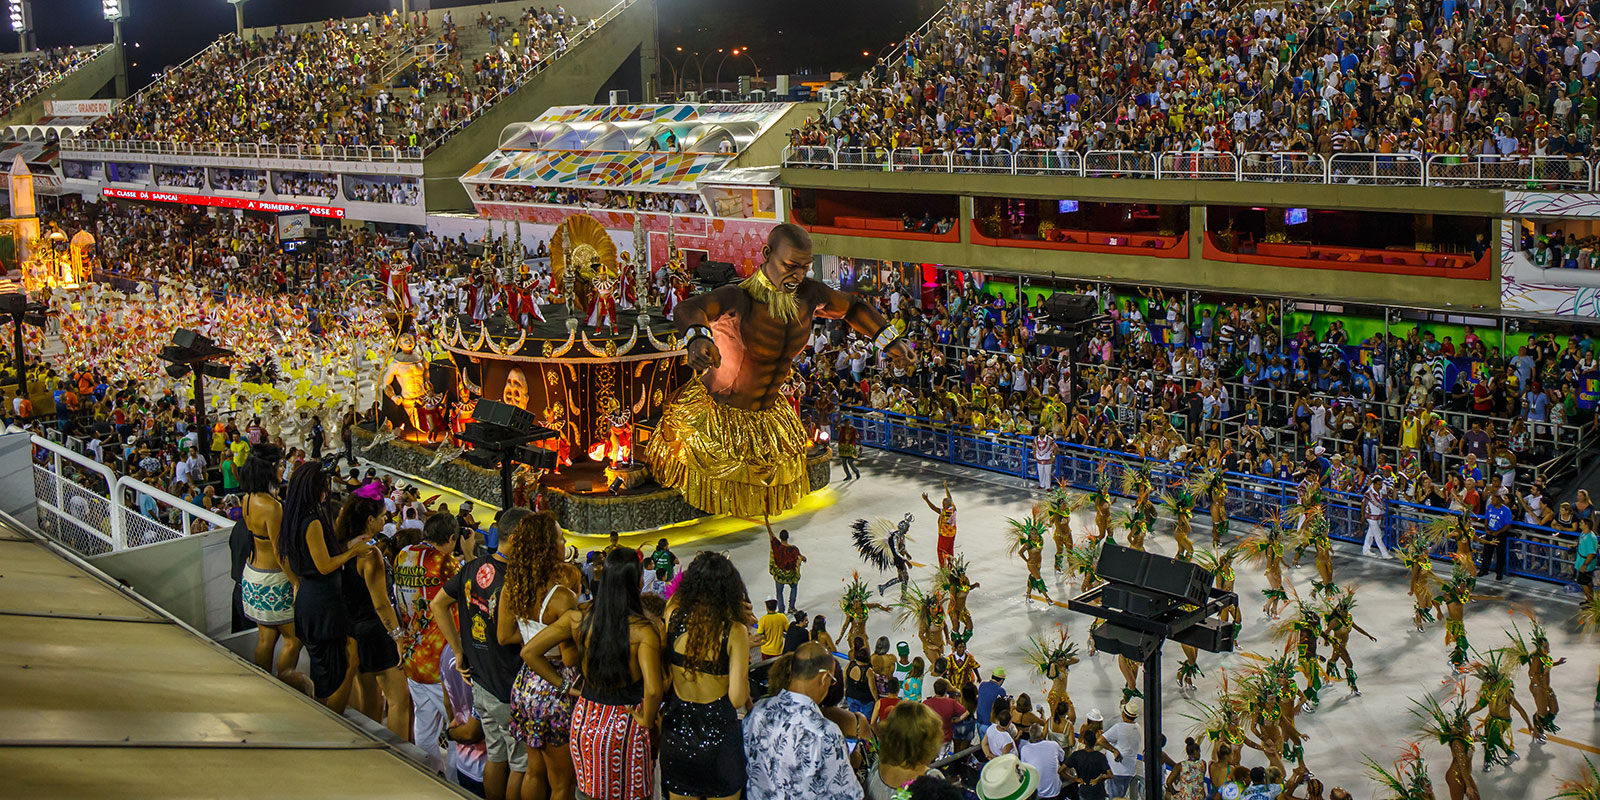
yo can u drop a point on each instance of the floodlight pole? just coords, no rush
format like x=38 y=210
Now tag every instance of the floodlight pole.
x=1153 y=789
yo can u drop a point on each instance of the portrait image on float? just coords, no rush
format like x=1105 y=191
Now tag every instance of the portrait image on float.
x=730 y=441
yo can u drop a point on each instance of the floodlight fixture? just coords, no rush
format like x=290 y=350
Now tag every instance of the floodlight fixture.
x=112 y=9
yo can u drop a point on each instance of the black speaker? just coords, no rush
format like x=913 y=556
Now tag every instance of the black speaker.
x=1069 y=309
x=1061 y=340
x=218 y=371
x=442 y=374
x=494 y=412
x=1179 y=580
x=1212 y=636
x=1117 y=640
x=189 y=340
x=712 y=274
x=1119 y=598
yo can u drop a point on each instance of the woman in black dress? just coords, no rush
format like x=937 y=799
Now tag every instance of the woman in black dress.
x=374 y=625
x=307 y=544
x=707 y=651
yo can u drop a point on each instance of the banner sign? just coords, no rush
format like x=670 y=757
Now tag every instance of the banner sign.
x=221 y=202
x=79 y=108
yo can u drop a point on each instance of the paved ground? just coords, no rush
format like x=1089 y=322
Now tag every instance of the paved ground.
x=1403 y=664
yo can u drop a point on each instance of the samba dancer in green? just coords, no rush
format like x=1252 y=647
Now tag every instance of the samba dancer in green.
x=1539 y=663
x=1027 y=540
x=1180 y=504
x=1454 y=595
x=856 y=603
x=1264 y=548
x=1313 y=533
x=1339 y=618
x=952 y=581
x=1414 y=553
x=1220 y=565
x=1101 y=498
x=1304 y=628
x=1060 y=505
x=1213 y=483
x=1496 y=697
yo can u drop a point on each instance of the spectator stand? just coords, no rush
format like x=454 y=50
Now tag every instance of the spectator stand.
x=1536 y=552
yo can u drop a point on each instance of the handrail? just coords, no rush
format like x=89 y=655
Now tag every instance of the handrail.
x=39 y=83
x=1440 y=170
x=594 y=26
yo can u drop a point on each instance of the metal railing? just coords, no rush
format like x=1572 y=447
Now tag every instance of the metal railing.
x=39 y=81
x=1536 y=552
x=592 y=28
x=1368 y=169
x=83 y=505
x=295 y=152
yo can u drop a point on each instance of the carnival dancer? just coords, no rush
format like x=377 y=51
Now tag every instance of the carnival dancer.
x=1179 y=502
x=607 y=286
x=1539 y=663
x=1339 y=620
x=953 y=583
x=1220 y=564
x=1304 y=628
x=1100 y=496
x=1059 y=507
x=1313 y=534
x=1189 y=668
x=1496 y=698
x=1026 y=538
x=727 y=441
x=1454 y=594
x=1054 y=660
x=856 y=603
x=1138 y=484
x=553 y=418
x=882 y=544
x=1136 y=525
x=1264 y=548
x=1414 y=551
x=926 y=609
x=961 y=667
x=947 y=524
x=1213 y=484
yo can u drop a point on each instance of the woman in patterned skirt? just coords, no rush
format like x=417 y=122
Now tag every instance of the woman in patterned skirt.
x=622 y=686
x=532 y=598
x=266 y=590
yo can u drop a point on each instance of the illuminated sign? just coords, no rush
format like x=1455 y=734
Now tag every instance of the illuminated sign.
x=221 y=202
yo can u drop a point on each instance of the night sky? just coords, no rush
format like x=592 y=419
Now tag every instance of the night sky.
x=816 y=36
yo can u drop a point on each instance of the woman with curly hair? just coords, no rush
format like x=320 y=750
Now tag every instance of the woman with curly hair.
x=621 y=670
x=533 y=597
x=707 y=651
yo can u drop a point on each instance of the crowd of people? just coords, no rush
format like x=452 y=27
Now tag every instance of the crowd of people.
x=307 y=184
x=25 y=76
x=186 y=177
x=674 y=202
x=1227 y=388
x=403 y=191
x=326 y=83
x=1414 y=76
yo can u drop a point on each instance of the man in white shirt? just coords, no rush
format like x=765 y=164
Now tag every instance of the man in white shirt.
x=1126 y=744
x=1045 y=756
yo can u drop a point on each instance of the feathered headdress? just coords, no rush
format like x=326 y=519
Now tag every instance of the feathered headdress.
x=856 y=597
x=1446 y=725
x=1216 y=561
x=1135 y=478
x=1519 y=648
x=1223 y=720
x=1063 y=502
x=1409 y=780
x=1081 y=560
x=1416 y=546
x=1585 y=787
x=1448 y=528
x=952 y=575
x=871 y=539
x=1494 y=678
x=1101 y=493
x=1589 y=614
x=1205 y=483
x=1178 y=502
x=1024 y=534
x=1265 y=542
x=916 y=605
x=1042 y=652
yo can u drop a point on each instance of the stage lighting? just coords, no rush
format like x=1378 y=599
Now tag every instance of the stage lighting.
x=21 y=18
x=177 y=370
x=112 y=9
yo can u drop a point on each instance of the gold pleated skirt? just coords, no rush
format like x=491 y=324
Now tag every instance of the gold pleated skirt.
x=727 y=460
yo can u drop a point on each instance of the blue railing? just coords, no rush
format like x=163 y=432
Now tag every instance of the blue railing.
x=1534 y=551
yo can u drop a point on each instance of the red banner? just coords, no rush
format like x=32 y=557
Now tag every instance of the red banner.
x=221 y=202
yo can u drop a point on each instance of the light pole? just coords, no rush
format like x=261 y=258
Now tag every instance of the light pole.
x=238 y=16
x=113 y=12
x=745 y=51
x=22 y=23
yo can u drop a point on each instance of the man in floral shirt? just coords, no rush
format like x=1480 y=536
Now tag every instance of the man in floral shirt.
x=419 y=571
x=791 y=750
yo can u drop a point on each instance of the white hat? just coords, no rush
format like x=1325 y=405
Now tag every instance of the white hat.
x=1007 y=778
x=1132 y=707
x=1095 y=716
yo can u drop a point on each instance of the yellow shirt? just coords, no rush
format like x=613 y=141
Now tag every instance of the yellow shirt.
x=1410 y=432
x=771 y=628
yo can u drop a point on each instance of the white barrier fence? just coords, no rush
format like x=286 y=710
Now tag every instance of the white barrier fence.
x=84 y=505
x=1566 y=173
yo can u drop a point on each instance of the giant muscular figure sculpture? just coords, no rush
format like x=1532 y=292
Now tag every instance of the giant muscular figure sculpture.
x=729 y=441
